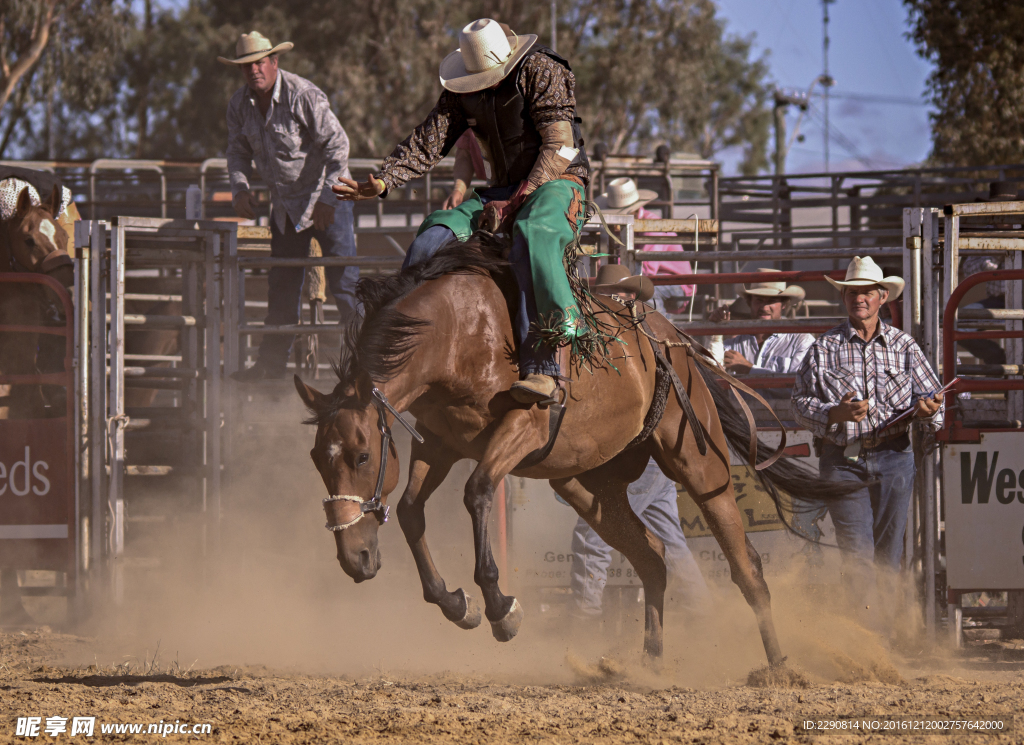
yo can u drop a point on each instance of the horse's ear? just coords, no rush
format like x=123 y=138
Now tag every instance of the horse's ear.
x=364 y=388
x=56 y=197
x=310 y=396
x=24 y=202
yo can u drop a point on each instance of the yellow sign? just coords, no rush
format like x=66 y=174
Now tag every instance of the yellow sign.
x=756 y=506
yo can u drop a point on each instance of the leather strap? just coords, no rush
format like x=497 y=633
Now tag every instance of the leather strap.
x=701 y=355
x=677 y=384
x=705 y=359
x=555 y=414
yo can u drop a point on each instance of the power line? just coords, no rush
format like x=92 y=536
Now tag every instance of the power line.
x=877 y=98
x=842 y=140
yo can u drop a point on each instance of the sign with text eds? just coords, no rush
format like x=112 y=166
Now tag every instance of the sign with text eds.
x=36 y=495
x=983 y=487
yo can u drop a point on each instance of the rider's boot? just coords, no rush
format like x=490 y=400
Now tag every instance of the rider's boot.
x=538 y=388
x=534 y=389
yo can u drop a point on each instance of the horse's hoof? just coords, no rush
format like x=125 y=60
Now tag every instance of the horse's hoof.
x=473 y=616
x=506 y=629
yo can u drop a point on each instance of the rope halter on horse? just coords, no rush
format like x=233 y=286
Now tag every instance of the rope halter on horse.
x=341 y=508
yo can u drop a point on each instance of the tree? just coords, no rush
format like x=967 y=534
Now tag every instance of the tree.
x=977 y=86
x=648 y=72
x=24 y=33
x=58 y=56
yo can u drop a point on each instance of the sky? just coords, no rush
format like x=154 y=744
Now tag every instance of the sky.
x=869 y=56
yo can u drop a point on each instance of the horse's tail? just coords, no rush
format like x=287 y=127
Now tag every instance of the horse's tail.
x=787 y=474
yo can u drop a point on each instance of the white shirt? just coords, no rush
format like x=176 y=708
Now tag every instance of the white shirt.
x=780 y=353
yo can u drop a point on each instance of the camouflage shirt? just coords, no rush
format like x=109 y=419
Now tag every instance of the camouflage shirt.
x=548 y=89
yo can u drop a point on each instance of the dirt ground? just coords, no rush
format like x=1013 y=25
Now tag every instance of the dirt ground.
x=39 y=676
x=268 y=642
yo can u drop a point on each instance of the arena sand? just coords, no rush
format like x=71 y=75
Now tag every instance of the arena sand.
x=269 y=642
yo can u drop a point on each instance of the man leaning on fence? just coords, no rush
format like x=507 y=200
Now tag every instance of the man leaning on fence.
x=853 y=382
x=285 y=124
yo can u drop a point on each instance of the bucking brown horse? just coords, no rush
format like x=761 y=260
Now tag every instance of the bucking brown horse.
x=436 y=342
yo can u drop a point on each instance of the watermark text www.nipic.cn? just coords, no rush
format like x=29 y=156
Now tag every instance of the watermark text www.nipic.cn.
x=87 y=727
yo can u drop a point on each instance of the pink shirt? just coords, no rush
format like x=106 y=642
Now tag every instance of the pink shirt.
x=665 y=268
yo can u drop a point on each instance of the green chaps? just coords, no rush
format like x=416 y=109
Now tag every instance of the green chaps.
x=544 y=223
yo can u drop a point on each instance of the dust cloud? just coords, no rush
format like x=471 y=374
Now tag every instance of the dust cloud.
x=274 y=596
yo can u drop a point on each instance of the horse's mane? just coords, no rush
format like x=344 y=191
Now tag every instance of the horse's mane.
x=380 y=342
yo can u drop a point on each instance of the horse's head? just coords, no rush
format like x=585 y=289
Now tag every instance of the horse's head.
x=36 y=241
x=348 y=455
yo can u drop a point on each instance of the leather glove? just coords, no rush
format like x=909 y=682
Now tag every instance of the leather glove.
x=499 y=216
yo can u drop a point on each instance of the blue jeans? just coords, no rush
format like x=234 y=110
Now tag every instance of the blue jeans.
x=870 y=523
x=533 y=357
x=653 y=499
x=284 y=296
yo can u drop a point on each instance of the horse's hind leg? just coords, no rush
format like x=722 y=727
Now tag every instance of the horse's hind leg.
x=601 y=498
x=429 y=465
x=709 y=483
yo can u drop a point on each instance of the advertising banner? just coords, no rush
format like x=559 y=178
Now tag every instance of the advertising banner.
x=36 y=495
x=983 y=493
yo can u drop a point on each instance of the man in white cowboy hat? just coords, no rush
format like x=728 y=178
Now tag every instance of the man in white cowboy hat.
x=853 y=381
x=653 y=498
x=517 y=97
x=285 y=124
x=767 y=353
x=624 y=198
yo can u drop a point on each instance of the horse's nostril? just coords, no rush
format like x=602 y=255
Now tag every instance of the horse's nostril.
x=364 y=559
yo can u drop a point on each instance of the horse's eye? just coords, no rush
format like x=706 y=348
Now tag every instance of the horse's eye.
x=363 y=457
x=29 y=240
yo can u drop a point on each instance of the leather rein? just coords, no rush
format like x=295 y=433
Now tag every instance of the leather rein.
x=335 y=506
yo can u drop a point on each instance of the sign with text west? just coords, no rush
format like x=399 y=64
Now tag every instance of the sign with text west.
x=36 y=495
x=983 y=491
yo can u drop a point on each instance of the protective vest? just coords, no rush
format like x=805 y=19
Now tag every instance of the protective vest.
x=500 y=119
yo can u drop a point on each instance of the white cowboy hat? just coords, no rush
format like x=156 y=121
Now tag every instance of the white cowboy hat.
x=613 y=279
x=774 y=289
x=865 y=272
x=252 y=47
x=484 y=57
x=623 y=197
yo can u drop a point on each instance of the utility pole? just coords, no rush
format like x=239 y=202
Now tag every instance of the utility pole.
x=826 y=80
x=784 y=99
x=554 y=25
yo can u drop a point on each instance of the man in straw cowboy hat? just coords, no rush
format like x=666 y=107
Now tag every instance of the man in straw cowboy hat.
x=517 y=98
x=285 y=124
x=624 y=198
x=767 y=353
x=854 y=380
x=653 y=498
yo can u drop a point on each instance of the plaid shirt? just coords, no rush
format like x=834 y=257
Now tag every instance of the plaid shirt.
x=889 y=372
x=779 y=355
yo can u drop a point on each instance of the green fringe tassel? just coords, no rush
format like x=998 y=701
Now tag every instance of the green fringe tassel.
x=588 y=338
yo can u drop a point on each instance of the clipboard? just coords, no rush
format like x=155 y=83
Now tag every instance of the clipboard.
x=900 y=416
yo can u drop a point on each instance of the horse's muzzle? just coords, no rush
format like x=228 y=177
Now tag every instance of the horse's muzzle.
x=364 y=567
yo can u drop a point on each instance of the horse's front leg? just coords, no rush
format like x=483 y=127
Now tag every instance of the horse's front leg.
x=429 y=465
x=520 y=432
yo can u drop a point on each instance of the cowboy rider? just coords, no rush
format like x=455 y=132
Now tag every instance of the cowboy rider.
x=517 y=98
